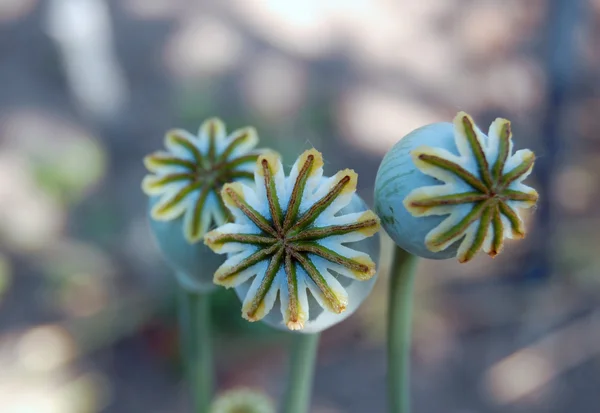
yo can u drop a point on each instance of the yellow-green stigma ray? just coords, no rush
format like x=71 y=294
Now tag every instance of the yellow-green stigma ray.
x=332 y=301
x=159 y=181
x=518 y=171
x=319 y=233
x=296 y=196
x=498 y=227
x=188 y=146
x=250 y=212
x=237 y=141
x=196 y=229
x=212 y=140
x=454 y=199
x=255 y=258
x=459 y=171
x=364 y=270
x=164 y=208
x=461 y=226
x=503 y=151
x=265 y=285
x=158 y=160
x=515 y=222
x=294 y=321
x=519 y=196
x=478 y=153
x=272 y=198
x=243 y=239
x=480 y=234
x=312 y=214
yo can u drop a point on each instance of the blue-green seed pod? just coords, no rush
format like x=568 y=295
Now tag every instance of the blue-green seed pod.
x=302 y=248
x=448 y=190
x=184 y=202
x=242 y=400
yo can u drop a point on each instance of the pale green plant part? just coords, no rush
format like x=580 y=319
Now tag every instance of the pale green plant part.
x=449 y=190
x=184 y=203
x=242 y=401
x=288 y=236
x=184 y=187
x=482 y=192
x=188 y=176
x=445 y=190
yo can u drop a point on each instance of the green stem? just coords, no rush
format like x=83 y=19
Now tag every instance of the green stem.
x=302 y=368
x=400 y=303
x=194 y=324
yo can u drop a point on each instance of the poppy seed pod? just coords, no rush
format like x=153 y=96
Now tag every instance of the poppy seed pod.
x=242 y=400
x=289 y=235
x=184 y=201
x=448 y=190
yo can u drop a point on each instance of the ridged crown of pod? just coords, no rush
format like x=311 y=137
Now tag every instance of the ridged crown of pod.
x=184 y=188
x=449 y=190
x=288 y=233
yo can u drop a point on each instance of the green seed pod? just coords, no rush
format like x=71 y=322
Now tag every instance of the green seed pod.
x=448 y=190
x=183 y=188
x=289 y=235
x=242 y=401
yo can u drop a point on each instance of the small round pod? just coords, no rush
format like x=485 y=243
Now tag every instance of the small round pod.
x=301 y=248
x=242 y=400
x=184 y=201
x=448 y=189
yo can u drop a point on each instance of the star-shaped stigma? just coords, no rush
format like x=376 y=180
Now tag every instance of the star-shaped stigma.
x=286 y=235
x=482 y=191
x=188 y=176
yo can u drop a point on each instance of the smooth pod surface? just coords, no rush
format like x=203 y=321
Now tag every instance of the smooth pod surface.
x=397 y=177
x=183 y=185
x=194 y=264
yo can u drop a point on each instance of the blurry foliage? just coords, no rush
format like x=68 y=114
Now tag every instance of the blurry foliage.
x=313 y=124
x=97 y=219
x=70 y=169
x=226 y=312
x=5 y=275
x=578 y=261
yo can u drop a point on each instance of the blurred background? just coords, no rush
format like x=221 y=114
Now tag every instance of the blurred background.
x=88 y=87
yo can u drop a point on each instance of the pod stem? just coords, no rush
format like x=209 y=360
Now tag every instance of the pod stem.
x=399 y=328
x=196 y=346
x=301 y=373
